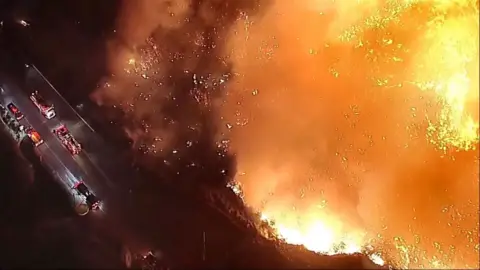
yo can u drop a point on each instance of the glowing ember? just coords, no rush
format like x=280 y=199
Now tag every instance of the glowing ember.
x=322 y=236
x=336 y=127
x=424 y=52
x=445 y=59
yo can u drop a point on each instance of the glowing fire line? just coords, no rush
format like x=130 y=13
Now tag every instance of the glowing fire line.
x=446 y=65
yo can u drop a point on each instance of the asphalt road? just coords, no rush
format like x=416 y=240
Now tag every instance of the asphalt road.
x=100 y=154
x=99 y=166
x=68 y=168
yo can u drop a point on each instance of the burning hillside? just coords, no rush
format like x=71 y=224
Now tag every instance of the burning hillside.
x=354 y=123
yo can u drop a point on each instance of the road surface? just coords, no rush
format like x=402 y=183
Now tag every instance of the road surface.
x=102 y=156
x=97 y=165
x=69 y=169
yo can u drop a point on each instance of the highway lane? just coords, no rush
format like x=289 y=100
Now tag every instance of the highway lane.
x=99 y=154
x=69 y=169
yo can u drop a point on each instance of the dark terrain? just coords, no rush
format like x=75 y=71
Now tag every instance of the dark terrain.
x=38 y=227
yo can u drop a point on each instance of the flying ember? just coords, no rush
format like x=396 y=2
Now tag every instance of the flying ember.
x=362 y=134
x=354 y=124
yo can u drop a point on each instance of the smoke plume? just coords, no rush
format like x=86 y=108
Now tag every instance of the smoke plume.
x=168 y=70
x=310 y=128
x=320 y=128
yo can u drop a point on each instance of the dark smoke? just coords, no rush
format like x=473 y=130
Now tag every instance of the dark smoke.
x=175 y=108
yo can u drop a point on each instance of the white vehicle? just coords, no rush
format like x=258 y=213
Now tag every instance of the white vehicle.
x=46 y=109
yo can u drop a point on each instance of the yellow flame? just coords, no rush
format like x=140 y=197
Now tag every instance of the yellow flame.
x=446 y=60
x=445 y=65
x=448 y=65
x=323 y=235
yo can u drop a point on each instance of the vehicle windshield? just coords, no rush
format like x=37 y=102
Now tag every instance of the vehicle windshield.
x=50 y=112
x=81 y=187
x=12 y=107
x=62 y=131
x=92 y=199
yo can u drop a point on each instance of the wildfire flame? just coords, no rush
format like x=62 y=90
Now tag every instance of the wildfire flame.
x=354 y=123
x=441 y=62
x=445 y=59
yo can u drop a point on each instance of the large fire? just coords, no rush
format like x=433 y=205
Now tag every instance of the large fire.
x=354 y=123
x=335 y=98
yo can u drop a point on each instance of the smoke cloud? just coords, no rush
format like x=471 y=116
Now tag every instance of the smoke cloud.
x=313 y=135
x=168 y=69
x=318 y=136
